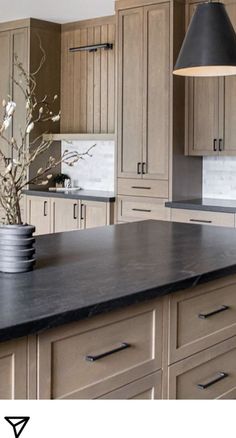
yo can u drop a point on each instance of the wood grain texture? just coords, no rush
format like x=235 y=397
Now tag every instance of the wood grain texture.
x=203 y=217
x=65 y=349
x=88 y=79
x=13 y=369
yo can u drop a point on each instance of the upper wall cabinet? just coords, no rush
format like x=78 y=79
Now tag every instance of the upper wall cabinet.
x=88 y=78
x=143 y=91
x=210 y=108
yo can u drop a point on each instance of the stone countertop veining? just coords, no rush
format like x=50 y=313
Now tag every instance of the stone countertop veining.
x=80 y=274
x=89 y=195
x=205 y=204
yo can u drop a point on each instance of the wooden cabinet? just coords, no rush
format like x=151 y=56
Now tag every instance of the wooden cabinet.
x=94 y=214
x=13 y=370
x=131 y=209
x=143 y=91
x=56 y=215
x=210 y=115
x=207 y=375
x=88 y=78
x=89 y=359
x=64 y=214
x=147 y=388
x=39 y=214
x=130 y=94
x=201 y=318
x=203 y=217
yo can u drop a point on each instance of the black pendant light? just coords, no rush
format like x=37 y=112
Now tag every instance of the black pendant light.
x=209 y=47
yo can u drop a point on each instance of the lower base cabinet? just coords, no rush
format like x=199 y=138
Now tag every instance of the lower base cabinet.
x=182 y=346
x=147 y=388
x=13 y=370
x=210 y=374
x=57 y=215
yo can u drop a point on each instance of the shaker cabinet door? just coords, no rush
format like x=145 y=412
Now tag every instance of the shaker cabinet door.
x=157 y=91
x=64 y=214
x=13 y=370
x=130 y=93
x=39 y=214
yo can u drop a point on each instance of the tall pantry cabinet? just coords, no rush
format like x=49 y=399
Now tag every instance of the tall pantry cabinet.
x=150 y=119
x=22 y=39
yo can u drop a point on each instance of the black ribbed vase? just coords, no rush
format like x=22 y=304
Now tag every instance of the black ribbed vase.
x=17 y=252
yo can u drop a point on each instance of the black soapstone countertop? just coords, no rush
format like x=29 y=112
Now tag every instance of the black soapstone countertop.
x=205 y=204
x=89 y=195
x=84 y=273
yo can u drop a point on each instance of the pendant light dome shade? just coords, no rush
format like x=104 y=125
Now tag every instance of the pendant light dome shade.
x=209 y=47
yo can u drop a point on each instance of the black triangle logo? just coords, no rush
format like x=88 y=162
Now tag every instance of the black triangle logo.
x=18 y=424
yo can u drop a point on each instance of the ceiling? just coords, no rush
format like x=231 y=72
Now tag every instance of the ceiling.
x=60 y=11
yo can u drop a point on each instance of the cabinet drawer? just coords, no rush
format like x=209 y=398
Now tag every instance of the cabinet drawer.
x=121 y=348
x=203 y=217
x=131 y=209
x=202 y=318
x=210 y=374
x=147 y=388
x=137 y=187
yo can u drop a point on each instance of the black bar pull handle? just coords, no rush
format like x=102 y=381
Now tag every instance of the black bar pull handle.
x=219 y=376
x=123 y=346
x=75 y=211
x=200 y=221
x=82 y=211
x=139 y=168
x=144 y=169
x=45 y=208
x=142 y=209
x=215 y=145
x=141 y=188
x=221 y=147
x=214 y=312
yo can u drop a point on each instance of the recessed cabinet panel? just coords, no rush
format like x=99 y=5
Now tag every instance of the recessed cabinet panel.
x=65 y=215
x=89 y=359
x=157 y=90
x=39 y=214
x=228 y=100
x=148 y=388
x=13 y=368
x=130 y=94
x=5 y=75
x=207 y=375
x=93 y=214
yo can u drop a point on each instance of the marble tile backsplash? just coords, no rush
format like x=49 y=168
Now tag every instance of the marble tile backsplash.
x=219 y=177
x=95 y=173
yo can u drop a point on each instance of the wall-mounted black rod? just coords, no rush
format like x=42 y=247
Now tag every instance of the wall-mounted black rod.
x=92 y=48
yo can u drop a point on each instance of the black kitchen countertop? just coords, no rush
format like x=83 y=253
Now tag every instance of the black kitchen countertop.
x=89 y=195
x=84 y=273
x=205 y=204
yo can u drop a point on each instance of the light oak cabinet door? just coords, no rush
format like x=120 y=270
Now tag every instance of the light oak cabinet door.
x=156 y=91
x=147 y=388
x=13 y=370
x=202 y=112
x=64 y=214
x=227 y=134
x=20 y=49
x=5 y=83
x=93 y=214
x=210 y=374
x=39 y=214
x=89 y=359
x=130 y=93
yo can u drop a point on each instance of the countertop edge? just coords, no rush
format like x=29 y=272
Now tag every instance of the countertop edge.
x=68 y=195
x=52 y=321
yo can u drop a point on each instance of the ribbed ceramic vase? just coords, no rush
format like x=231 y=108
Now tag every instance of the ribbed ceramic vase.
x=17 y=252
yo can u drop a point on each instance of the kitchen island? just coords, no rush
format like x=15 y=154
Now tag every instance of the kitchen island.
x=139 y=310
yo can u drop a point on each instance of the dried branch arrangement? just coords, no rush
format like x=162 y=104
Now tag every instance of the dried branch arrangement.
x=14 y=171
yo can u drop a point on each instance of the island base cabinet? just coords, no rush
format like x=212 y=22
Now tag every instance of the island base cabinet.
x=147 y=388
x=89 y=359
x=210 y=374
x=13 y=370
